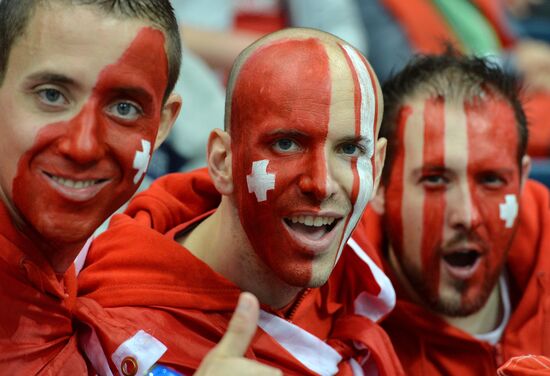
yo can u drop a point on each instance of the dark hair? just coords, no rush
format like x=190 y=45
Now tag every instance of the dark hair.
x=15 y=16
x=450 y=74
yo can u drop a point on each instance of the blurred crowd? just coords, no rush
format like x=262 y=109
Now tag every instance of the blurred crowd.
x=514 y=34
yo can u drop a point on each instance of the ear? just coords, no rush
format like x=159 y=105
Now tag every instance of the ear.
x=219 y=161
x=525 y=170
x=379 y=201
x=379 y=159
x=168 y=117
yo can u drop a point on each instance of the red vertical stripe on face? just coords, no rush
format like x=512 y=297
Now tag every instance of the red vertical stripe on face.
x=357 y=105
x=434 y=202
x=375 y=89
x=357 y=109
x=395 y=187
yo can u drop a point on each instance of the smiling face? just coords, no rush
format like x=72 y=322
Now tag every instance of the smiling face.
x=451 y=200
x=81 y=105
x=302 y=129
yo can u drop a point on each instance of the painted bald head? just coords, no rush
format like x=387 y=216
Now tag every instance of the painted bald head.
x=303 y=113
x=456 y=165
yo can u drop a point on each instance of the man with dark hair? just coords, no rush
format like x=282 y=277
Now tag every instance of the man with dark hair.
x=85 y=97
x=462 y=229
x=290 y=177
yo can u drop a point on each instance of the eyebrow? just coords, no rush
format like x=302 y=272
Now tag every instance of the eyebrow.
x=288 y=133
x=430 y=168
x=61 y=79
x=501 y=171
x=135 y=92
x=356 y=139
x=51 y=77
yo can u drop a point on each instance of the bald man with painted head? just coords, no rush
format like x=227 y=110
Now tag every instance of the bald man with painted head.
x=287 y=181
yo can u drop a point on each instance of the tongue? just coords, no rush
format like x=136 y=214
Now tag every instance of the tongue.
x=312 y=232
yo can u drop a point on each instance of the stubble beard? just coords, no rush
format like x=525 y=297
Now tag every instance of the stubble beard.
x=457 y=303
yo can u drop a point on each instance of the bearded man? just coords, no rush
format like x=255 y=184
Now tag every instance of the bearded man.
x=463 y=231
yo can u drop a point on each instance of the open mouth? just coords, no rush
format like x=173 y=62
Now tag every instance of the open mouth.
x=313 y=233
x=462 y=259
x=462 y=264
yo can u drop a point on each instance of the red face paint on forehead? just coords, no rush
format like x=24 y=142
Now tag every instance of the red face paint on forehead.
x=484 y=114
x=281 y=82
x=462 y=183
x=79 y=171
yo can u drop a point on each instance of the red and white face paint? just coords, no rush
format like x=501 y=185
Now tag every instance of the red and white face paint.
x=302 y=131
x=79 y=118
x=451 y=201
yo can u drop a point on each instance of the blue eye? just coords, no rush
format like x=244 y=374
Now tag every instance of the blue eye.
x=125 y=110
x=285 y=145
x=350 y=149
x=52 y=97
x=492 y=180
x=434 y=181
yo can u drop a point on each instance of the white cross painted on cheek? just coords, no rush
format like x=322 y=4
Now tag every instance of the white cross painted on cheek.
x=509 y=210
x=259 y=182
x=141 y=160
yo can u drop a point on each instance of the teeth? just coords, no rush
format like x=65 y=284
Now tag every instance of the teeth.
x=310 y=220
x=75 y=184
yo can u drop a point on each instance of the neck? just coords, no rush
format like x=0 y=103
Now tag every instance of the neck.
x=59 y=255
x=220 y=242
x=482 y=321
x=63 y=256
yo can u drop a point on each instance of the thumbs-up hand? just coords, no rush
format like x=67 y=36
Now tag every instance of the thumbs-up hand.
x=227 y=358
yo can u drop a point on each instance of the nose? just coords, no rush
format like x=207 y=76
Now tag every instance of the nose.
x=317 y=181
x=463 y=209
x=84 y=141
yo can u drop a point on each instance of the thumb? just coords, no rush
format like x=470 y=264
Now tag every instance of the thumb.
x=241 y=328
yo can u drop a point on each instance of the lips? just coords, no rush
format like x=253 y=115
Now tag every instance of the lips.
x=313 y=232
x=73 y=189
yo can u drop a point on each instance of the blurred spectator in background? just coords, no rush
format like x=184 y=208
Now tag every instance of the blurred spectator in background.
x=214 y=32
x=398 y=29
x=533 y=17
